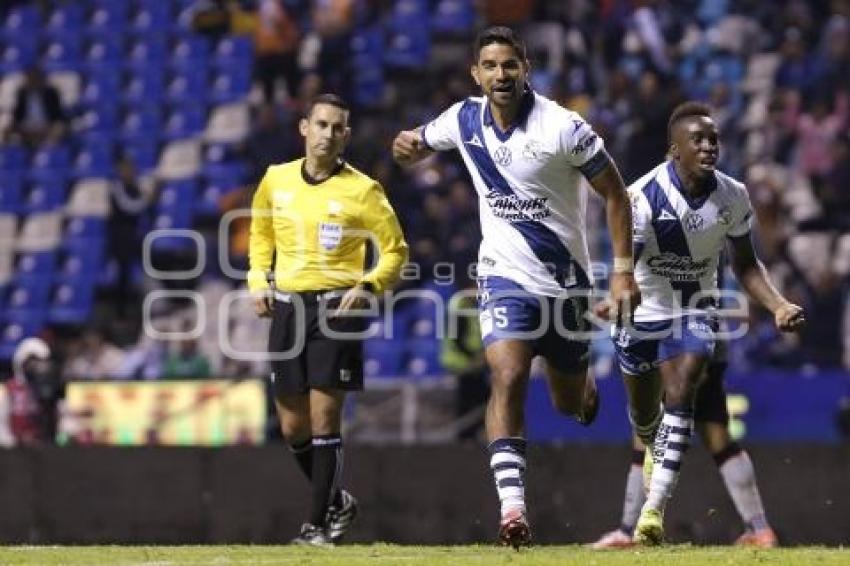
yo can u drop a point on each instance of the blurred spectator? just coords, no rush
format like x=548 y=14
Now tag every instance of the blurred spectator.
x=211 y=17
x=462 y=354
x=816 y=130
x=333 y=21
x=94 y=358
x=276 y=41
x=272 y=141
x=130 y=200
x=648 y=142
x=186 y=361
x=240 y=228
x=33 y=394
x=37 y=117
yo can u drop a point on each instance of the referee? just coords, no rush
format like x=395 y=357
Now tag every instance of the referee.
x=311 y=218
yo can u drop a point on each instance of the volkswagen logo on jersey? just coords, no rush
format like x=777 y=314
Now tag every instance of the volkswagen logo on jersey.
x=693 y=222
x=503 y=156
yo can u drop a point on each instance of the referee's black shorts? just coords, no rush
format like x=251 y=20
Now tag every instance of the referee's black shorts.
x=710 y=403
x=313 y=359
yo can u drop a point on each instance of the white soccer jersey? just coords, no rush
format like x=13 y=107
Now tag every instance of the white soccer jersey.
x=531 y=200
x=679 y=241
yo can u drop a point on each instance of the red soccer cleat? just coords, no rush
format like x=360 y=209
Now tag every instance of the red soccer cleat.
x=514 y=529
x=762 y=538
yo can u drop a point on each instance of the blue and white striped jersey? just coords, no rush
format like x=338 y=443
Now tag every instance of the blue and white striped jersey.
x=531 y=200
x=678 y=241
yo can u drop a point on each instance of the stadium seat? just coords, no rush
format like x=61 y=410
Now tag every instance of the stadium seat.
x=108 y=18
x=72 y=301
x=63 y=54
x=40 y=232
x=150 y=52
x=27 y=300
x=178 y=196
x=228 y=124
x=69 y=85
x=424 y=357
x=11 y=334
x=234 y=49
x=86 y=228
x=410 y=14
x=179 y=159
x=13 y=158
x=8 y=230
x=35 y=265
x=7 y=271
x=231 y=85
x=19 y=56
x=11 y=192
x=21 y=22
x=100 y=88
x=151 y=17
x=76 y=262
x=52 y=157
x=144 y=153
x=65 y=18
x=187 y=88
x=190 y=52
x=453 y=17
x=147 y=86
x=96 y=122
x=208 y=203
x=44 y=196
x=90 y=197
x=105 y=49
x=383 y=358
x=142 y=122
x=408 y=48
x=184 y=122
x=94 y=160
x=10 y=82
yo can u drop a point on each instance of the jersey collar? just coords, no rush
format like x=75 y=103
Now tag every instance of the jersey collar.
x=694 y=203
x=525 y=105
x=312 y=180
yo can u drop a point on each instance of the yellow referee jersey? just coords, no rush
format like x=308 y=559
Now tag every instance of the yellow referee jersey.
x=317 y=231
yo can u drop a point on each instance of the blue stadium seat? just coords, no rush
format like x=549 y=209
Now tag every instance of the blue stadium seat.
x=207 y=205
x=383 y=358
x=152 y=16
x=84 y=228
x=231 y=85
x=100 y=88
x=178 y=195
x=108 y=17
x=424 y=358
x=94 y=160
x=22 y=22
x=410 y=14
x=78 y=261
x=187 y=88
x=52 y=157
x=100 y=120
x=453 y=17
x=64 y=53
x=11 y=334
x=11 y=192
x=142 y=122
x=227 y=173
x=145 y=86
x=150 y=52
x=408 y=48
x=368 y=43
x=190 y=52
x=185 y=122
x=72 y=301
x=66 y=18
x=20 y=55
x=27 y=301
x=238 y=50
x=105 y=48
x=220 y=153
x=144 y=153
x=45 y=196
x=35 y=265
x=13 y=158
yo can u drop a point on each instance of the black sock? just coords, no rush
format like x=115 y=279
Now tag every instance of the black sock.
x=327 y=468
x=303 y=453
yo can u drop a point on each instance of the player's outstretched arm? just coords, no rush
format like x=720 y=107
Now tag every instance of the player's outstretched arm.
x=408 y=147
x=754 y=279
x=624 y=290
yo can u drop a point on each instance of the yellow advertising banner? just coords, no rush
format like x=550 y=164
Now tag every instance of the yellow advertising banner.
x=172 y=413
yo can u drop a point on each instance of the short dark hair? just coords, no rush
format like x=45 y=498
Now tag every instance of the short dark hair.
x=499 y=34
x=686 y=110
x=326 y=98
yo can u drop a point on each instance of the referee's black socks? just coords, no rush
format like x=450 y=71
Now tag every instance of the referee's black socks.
x=303 y=452
x=326 y=475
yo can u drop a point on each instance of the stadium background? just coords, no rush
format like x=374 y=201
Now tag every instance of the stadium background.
x=165 y=101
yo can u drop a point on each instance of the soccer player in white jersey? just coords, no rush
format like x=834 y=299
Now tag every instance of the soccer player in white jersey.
x=526 y=156
x=685 y=211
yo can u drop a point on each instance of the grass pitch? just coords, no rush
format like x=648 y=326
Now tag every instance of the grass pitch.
x=379 y=554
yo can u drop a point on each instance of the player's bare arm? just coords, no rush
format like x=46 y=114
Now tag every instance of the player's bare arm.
x=408 y=147
x=624 y=290
x=753 y=276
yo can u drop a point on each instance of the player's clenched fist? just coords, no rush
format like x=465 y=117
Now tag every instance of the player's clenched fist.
x=408 y=147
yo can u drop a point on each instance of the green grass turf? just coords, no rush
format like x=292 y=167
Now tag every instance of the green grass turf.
x=379 y=554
